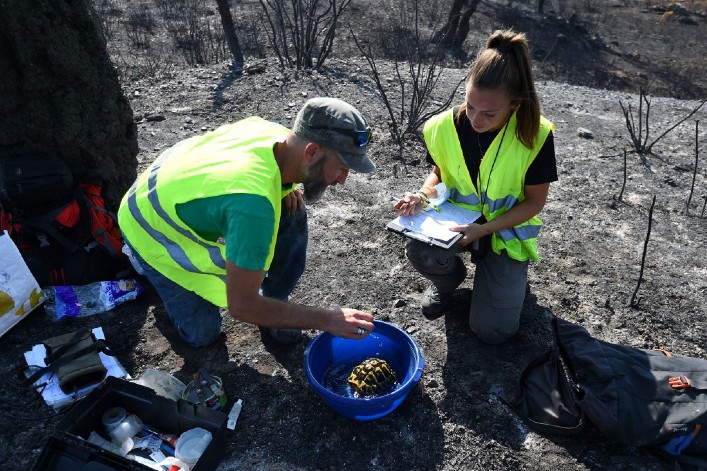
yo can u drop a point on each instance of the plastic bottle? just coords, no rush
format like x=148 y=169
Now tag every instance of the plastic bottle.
x=233 y=415
x=94 y=298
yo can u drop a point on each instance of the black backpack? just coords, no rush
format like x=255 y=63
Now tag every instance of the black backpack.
x=53 y=219
x=637 y=397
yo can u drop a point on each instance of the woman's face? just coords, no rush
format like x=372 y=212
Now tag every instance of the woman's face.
x=488 y=109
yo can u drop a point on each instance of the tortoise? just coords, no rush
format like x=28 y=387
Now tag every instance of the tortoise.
x=372 y=376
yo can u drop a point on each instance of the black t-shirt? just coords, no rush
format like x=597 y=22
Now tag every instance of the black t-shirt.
x=474 y=145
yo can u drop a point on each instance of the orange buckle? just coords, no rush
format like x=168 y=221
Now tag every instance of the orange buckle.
x=679 y=382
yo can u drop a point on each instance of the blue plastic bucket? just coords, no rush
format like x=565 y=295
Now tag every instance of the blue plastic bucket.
x=387 y=342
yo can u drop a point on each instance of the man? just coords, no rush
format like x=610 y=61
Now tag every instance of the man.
x=207 y=224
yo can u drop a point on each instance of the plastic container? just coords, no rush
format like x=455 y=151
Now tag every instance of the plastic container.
x=191 y=445
x=112 y=418
x=120 y=425
x=85 y=300
x=121 y=449
x=213 y=396
x=386 y=341
x=162 y=383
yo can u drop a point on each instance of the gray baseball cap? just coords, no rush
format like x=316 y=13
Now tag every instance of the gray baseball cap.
x=334 y=123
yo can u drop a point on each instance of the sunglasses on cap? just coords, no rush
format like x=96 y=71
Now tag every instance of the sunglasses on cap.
x=360 y=138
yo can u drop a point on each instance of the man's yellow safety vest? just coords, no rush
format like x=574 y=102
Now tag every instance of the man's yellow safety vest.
x=501 y=181
x=235 y=158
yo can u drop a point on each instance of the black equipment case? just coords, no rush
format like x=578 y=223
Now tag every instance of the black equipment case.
x=68 y=449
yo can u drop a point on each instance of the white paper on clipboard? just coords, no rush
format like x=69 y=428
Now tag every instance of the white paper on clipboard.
x=433 y=226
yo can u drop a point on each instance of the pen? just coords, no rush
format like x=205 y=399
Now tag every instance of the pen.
x=435 y=207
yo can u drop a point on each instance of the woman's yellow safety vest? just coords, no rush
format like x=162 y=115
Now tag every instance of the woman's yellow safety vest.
x=235 y=158
x=500 y=185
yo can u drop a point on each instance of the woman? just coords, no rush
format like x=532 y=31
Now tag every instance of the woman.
x=496 y=155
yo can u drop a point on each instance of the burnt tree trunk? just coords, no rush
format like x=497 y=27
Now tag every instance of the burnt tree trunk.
x=463 y=25
x=446 y=33
x=456 y=29
x=229 y=30
x=541 y=6
x=60 y=95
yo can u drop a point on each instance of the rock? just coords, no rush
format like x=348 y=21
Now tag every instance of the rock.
x=584 y=132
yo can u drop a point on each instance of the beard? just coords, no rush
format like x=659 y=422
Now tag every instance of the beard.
x=313 y=184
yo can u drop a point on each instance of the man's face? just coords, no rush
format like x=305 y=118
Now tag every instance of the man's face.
x=325 y=172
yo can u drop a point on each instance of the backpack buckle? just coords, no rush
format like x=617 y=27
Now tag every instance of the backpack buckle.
x=43 y=242
x=679 y=382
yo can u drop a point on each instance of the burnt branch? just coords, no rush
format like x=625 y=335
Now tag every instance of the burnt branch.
x=302 y=33
x=623 y=184
x=368 y=55
x=694 y=173
x=639 y=132
x=417 y=75
x=635 y=301
x=620 y=196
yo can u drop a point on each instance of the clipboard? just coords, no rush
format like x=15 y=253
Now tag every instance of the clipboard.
x=445 y=244
x=431 y=226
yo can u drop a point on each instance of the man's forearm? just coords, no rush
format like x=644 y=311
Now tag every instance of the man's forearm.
x=269 y=312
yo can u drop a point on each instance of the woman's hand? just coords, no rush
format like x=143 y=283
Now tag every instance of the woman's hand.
x=292 y=201
x=410 y=204
x=471 y=232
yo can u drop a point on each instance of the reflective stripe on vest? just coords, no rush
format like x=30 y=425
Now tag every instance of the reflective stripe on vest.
x=504 y=178
x=174 y=250
x=235 y=158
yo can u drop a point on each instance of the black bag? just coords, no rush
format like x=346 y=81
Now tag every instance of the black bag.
x=38 y=185
x=637 y=397
x=548 y=395
x=50 y=217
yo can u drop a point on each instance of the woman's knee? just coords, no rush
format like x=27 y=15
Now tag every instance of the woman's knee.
x=494 y=325
x=492 y=334
x=426 y=258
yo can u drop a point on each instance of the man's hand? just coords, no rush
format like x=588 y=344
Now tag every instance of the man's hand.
x=246 y=305
x=351 y=324
x=292 y=201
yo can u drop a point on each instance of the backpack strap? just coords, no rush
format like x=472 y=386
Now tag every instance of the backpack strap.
x=99 y=234
x=43 y=225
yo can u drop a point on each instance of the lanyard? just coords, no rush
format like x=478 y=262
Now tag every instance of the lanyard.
x=482 y=194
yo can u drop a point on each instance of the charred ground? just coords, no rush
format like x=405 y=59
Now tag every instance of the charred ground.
x=591 y=249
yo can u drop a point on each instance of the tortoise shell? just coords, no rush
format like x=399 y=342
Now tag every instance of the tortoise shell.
x=372 y=376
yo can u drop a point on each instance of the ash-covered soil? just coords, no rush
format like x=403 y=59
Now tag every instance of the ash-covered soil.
x=591 y=247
